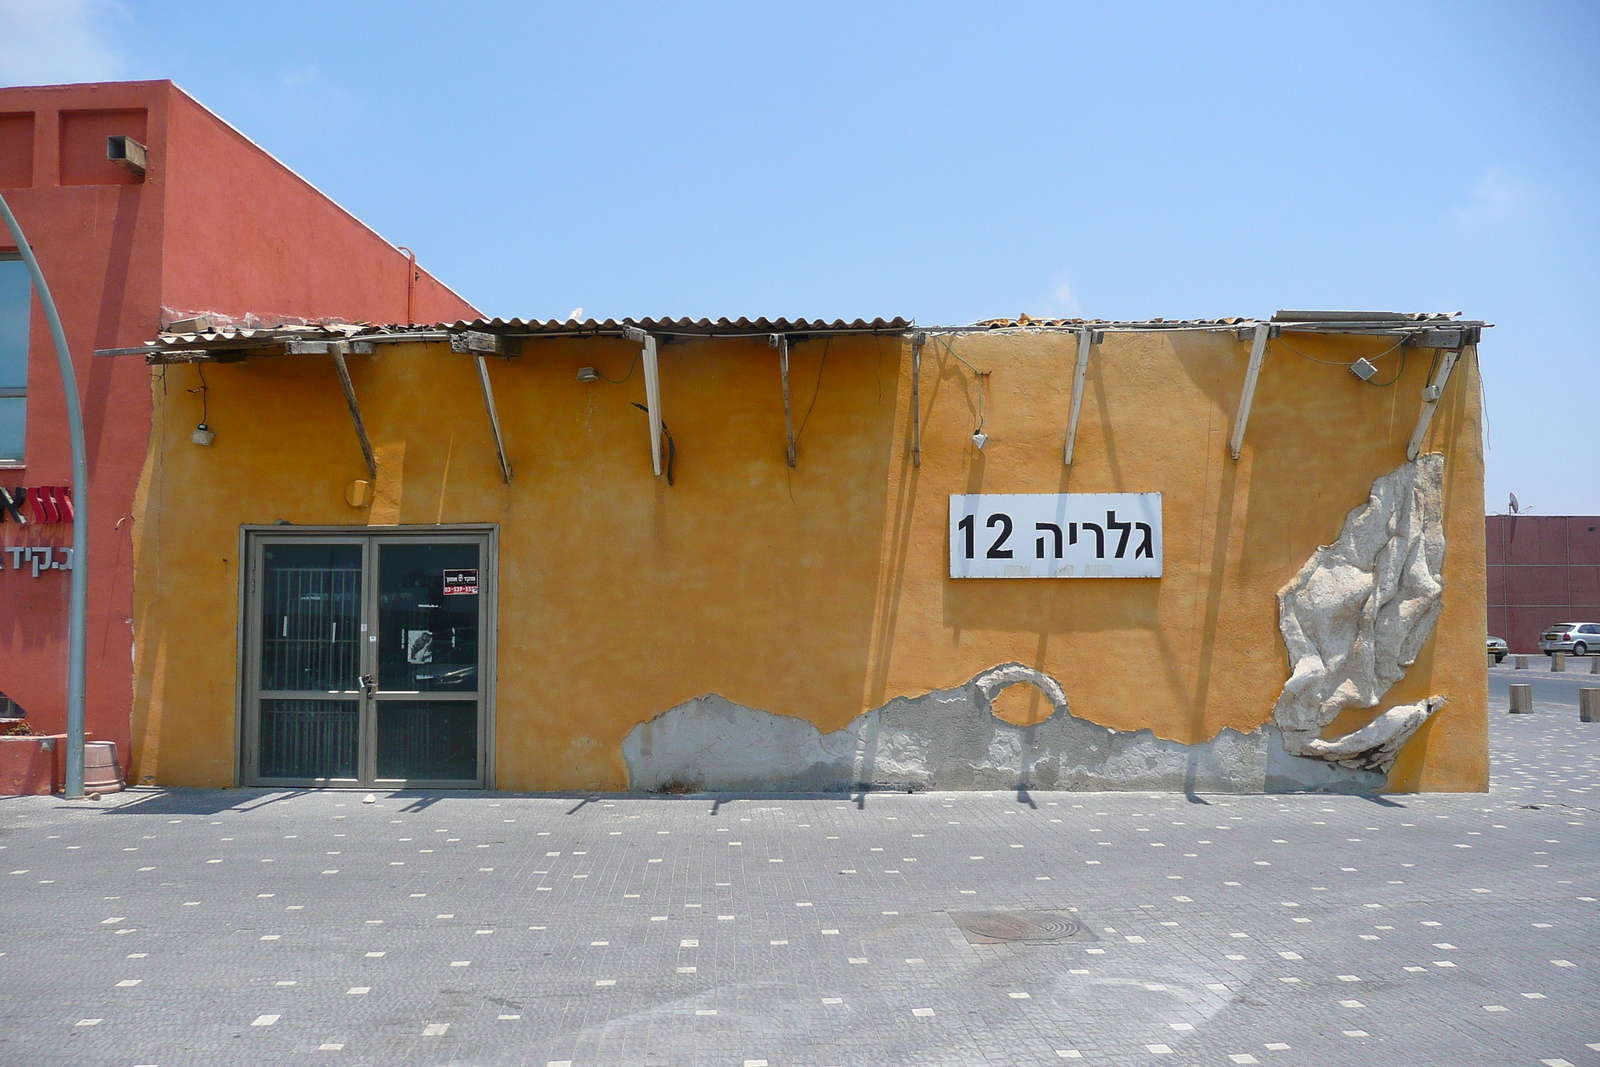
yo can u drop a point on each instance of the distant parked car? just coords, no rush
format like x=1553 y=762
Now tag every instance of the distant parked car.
x=1574 y=637
x=1498 y=648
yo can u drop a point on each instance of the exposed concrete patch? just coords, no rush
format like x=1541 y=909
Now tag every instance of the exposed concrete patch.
x=1357 y=615
x=1375 y=746
x=951 y=739
x=1295 y=774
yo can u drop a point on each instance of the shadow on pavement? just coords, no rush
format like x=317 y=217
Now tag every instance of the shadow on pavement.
x=199 y=801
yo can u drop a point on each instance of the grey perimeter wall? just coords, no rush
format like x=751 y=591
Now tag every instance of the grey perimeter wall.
x=1543 y=569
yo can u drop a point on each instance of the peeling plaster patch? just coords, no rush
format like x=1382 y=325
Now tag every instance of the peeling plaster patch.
x=1357 y=615
x=951 y=739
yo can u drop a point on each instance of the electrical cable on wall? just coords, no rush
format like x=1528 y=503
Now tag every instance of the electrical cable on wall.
x=1483 y=401
x=203 y=434
x=624 y=378
x=816 y=390
x=1400 y=344
x=979 y=438
x=589 y=374
x=205 y=410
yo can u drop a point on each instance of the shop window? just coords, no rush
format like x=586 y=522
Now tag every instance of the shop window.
x=15 y=299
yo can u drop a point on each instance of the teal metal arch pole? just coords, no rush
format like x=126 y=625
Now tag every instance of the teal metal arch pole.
x=79 y=606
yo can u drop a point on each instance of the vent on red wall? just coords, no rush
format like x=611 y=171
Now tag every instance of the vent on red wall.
x=83 y=146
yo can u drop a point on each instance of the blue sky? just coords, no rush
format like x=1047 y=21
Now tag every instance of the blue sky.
x=944 y=162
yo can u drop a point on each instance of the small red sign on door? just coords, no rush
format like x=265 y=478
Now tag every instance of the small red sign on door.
x=461 y=583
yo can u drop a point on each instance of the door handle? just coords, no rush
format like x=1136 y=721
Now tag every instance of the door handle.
x=370 y=683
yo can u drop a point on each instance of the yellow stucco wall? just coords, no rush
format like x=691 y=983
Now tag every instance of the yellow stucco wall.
x=819 y=591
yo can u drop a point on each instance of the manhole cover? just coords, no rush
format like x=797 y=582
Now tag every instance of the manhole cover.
x=996 y=927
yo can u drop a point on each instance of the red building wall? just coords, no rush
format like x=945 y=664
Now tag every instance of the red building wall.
x=216 y=224
x=265 y=241
x=1543 y=569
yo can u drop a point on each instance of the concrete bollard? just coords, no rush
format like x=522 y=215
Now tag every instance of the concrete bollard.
x=1558 y=662
x=1594 y=663
x=1589 y=705
x=1522 y=663
x=1491 y=661
x=1522 y=700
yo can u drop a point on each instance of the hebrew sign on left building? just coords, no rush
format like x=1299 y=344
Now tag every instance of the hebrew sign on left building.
x=37 y=505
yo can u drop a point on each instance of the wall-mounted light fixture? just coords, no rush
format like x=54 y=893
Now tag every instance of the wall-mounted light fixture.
x=588 y=374
x=1363 y=369
x=980 y=439
x=202 y=434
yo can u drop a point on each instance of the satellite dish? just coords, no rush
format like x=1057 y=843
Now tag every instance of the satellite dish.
x=1513 y=503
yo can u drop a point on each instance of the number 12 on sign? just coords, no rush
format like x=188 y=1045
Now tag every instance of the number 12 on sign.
x=1055 y=535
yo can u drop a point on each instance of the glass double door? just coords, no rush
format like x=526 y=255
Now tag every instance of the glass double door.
x=364 y=662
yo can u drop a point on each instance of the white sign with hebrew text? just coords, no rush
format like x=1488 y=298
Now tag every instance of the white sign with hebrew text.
x=1055 y=535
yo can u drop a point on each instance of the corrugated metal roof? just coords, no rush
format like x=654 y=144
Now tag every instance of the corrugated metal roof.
x=679 y=327
x=235 y=341
x=1026 y=321
x=1348 y=321
x=236 y=338
x=322 y=331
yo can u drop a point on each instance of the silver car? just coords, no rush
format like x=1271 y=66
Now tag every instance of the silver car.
x=1577 y=638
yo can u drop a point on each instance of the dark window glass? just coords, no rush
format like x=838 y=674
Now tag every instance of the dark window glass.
x=308 y=738
x=428 y=739
x=428 y=631
x=311 y=618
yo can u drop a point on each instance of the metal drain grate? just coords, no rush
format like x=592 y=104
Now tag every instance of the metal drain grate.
x=998 y=927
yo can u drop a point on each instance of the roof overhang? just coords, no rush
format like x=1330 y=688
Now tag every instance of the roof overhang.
x=504 y=337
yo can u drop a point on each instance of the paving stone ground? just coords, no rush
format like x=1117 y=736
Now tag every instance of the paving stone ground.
x=249 y=927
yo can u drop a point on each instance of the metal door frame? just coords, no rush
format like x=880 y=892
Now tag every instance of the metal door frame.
x=248 y=632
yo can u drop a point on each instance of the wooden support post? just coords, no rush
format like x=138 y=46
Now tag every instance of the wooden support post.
x=781 y=342
x=652 y=399
x=337 y=350
x=1430 y=400
x=1086 y=340
x=1258 y=350
x=917 y=341
x=494 y=419
x=479 y=343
